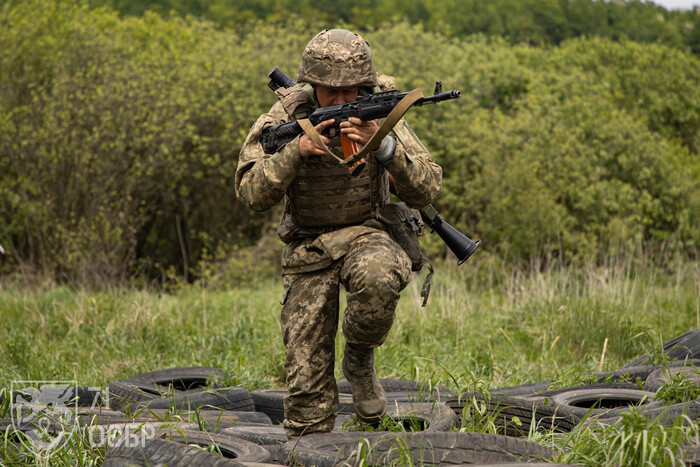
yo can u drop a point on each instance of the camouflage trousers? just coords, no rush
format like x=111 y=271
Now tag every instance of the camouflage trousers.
x=373 y=272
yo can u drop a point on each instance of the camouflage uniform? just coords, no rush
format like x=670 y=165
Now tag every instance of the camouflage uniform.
x=316 y=260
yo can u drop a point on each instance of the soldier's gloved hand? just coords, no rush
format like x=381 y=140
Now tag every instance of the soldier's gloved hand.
x=385 y=154
x=307 y=147
x=357 y=130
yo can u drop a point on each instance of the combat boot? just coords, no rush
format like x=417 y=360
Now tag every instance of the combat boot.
x=368 y=396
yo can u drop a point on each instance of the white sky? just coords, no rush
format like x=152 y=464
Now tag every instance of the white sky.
x=677 y=4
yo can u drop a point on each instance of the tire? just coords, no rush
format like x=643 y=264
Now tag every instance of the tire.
x=275 y=451
x=320 y=449
x=452 y=448
x=686 y=346
x=163 y=452
x=416 y=391
x=545 y=395
x=423 y=416
x=161 y=383
x=213 y=419
x=640 y=373
x=134 y=394
x=233 y=398
x=661 y=376
x=258 y=434
x=230 y=447
x=598 y=402
x=270 y=402
x=522 y=389
x=515 y=415
x=183 y=378
x=661 y=415
x=71 y=396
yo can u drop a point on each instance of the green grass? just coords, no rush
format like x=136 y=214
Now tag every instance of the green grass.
x=486 y=325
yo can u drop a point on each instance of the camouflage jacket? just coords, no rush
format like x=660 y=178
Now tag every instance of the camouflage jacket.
x=262 y=180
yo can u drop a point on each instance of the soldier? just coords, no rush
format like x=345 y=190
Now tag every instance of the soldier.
x=332 y=233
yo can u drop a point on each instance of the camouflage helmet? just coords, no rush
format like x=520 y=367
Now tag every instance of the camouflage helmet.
x=337 y=58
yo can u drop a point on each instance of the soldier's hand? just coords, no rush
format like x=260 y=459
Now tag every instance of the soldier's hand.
x=359 y=131
x=307 y=147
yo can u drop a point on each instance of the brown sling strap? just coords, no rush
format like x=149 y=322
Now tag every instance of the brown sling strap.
x=391 y=120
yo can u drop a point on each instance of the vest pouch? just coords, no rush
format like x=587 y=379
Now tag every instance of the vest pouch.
x=404 y=225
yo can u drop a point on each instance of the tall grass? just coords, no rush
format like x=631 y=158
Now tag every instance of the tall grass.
x=482 y=322
x=486 y=325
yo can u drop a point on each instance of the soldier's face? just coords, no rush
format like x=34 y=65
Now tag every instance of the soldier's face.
x=336 y=96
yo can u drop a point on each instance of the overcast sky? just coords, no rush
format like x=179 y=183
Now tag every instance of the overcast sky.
x=677 y=4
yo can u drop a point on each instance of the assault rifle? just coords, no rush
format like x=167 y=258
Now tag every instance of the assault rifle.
x=369 y=108
x=365 y=108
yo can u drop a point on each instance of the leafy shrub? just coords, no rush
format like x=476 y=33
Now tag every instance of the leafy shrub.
x=119 y=140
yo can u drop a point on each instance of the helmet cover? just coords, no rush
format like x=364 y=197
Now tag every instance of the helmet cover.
x=337 y=58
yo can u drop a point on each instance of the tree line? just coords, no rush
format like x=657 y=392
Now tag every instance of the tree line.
x=119 y=139
x=536 y=22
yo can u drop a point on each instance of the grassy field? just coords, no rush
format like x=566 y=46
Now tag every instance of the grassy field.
x=486 y=325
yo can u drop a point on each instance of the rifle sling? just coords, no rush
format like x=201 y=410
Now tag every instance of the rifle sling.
x=311 y=132
x=391 y=120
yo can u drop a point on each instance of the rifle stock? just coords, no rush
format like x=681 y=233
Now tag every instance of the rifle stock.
x=461 y=245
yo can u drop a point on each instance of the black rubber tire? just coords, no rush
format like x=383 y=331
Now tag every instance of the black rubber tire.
x=72 y=396
x=684 y=347
x=258 y=434
x=430 y=416
x=164 y=452
x=230 y=447
x=161 y=383
x=417 y=391
x=662 y=415
x=233 y=398
x=633 y=374
x=522 y=389
x=124 y=391
x=275 y=451
x=509 y=408
x=270 y=402
x=134 y=395
x=452 y=448
x=661 y=376
x=183 y=378
x=595 y=386
x=640 y=373
x=587 y=402
x=213 y=419
x=545 y=405
x=320 y=449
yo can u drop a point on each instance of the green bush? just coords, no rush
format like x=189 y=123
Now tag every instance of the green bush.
x=119 y=140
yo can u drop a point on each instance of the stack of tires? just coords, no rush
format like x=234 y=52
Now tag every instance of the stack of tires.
x=243 y=428
x=520 y=410
x=187 y=416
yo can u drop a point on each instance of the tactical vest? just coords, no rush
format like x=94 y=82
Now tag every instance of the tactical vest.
x=324 y=194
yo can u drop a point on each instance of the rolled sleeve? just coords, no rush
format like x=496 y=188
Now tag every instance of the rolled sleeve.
x=262 y=179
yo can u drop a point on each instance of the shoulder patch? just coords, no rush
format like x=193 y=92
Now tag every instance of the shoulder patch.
x=295 y=101
x=386 y=82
